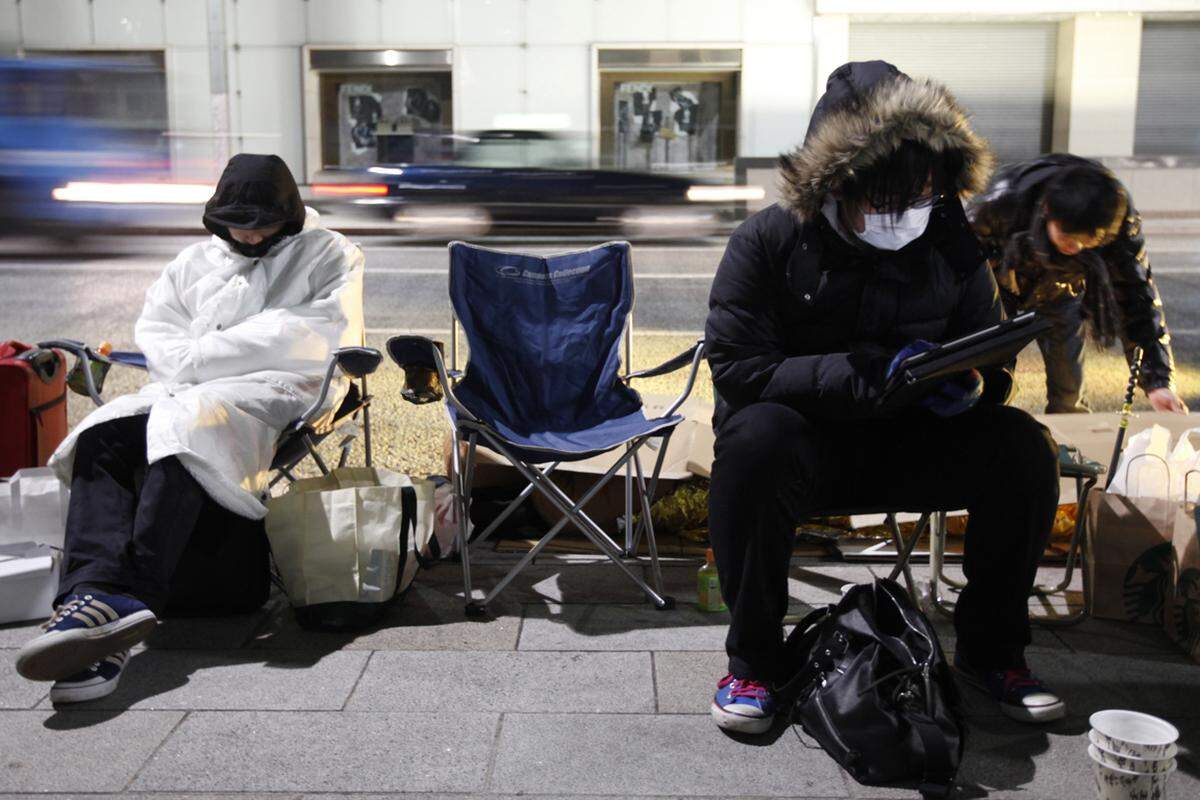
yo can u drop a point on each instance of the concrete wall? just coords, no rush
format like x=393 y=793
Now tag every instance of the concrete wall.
x=1096 y=84
x=523 y=56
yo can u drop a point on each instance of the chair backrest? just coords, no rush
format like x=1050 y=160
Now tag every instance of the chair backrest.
x=544 y=334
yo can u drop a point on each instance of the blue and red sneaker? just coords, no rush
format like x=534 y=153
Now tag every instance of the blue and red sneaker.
x=743 y=706
x=1021 y=695
x=84 y=629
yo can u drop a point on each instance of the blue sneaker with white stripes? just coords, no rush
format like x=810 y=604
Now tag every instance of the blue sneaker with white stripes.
x=83 y=630
x=98 y=680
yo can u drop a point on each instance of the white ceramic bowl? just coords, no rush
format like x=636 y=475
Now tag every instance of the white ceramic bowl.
x=1132 y=763
x=1121 y=784
x=1132 y=733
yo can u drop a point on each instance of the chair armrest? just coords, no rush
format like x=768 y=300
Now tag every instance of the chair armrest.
x=423 y=353
x=355 y=362
x=85 y=356
x=668 y=366
x=358 y=362
x=694 y=354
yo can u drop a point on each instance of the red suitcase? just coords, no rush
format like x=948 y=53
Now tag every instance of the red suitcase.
x=33 y=405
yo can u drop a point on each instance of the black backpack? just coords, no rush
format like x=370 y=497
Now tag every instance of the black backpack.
x=872 y=686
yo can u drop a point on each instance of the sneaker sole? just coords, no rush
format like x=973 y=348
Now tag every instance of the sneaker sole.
x=739 y=723
x=54 y=656
x=81 y=694
x=1050 y=713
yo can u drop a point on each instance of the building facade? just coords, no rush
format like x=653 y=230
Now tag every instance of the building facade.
x=639 y=84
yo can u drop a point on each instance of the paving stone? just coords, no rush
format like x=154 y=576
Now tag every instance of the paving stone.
x=1008 y=759
x=630 y=754
x=209 y=633
x=427 y=618
x=41 y=749
x=15 y=691
x=472 y=797
x=307 y=751
x=512 y=681
x=1166 y=684
x=549 y=582
x=680 y=583
x=619 y=627
x=1112 y=637
x=685 y=682
x=16 y=634
x=235 y=681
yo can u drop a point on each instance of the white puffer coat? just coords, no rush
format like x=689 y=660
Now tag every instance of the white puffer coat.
x=237 y=348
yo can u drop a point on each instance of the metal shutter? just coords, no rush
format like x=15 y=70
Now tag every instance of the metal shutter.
x=1002 y=73
x=1168 y=110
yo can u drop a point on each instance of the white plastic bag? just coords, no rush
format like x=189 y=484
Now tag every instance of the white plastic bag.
x=1184 y=462
x=1143 y=470
x=445 y=526
x=33 y=507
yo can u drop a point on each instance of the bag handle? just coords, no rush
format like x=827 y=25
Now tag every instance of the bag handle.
x=408 y=523
x=1129 y=464
x=797 y=645
x=1187 y=483
x=938 y=772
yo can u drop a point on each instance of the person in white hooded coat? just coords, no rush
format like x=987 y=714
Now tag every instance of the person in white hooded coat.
x=237 y=333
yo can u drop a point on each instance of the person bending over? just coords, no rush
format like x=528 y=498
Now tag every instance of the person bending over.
x=866 y=259
x=237 y=334
x=1065 y=241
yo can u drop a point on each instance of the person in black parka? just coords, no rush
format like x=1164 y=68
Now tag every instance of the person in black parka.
x=1065 y=241
x=868 y=257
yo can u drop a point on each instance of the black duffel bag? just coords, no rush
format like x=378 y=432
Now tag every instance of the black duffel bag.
x=872 y=686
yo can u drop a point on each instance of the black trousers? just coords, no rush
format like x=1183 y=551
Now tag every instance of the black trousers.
x=128 y=523
x=774 y=466
x=1062 y=352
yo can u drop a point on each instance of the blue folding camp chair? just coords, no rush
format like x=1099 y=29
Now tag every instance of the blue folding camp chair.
x=298 y=441
x=543 y=386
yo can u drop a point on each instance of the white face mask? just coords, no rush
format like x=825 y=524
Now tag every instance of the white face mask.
x=891 y=232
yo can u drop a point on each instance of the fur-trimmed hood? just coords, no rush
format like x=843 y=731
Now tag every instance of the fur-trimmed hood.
x=868 y=109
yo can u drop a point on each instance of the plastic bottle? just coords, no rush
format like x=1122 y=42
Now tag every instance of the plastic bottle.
x=708 y=587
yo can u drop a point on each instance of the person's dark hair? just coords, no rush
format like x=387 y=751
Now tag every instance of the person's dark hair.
x=896 y=182
x=1086 y=200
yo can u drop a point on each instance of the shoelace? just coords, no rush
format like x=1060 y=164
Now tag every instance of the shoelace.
x=744 y=688
x=1020 y=679
x=65 y=610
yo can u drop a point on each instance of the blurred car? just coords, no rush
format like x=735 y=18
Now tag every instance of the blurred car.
x=517 y=181
x=82 y=147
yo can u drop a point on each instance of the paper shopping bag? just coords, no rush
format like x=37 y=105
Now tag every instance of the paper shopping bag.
x=1181 y=615
x=1131 y=553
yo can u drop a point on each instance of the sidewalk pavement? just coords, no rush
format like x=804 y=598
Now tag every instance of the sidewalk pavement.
x=575 y=688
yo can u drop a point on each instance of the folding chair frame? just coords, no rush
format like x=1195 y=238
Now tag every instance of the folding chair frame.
x=355 y=362
x=472 y=432
x=1085 y=481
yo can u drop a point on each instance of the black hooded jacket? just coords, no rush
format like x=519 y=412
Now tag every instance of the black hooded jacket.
x=1008 y=221
x=797 y=315
x=255 y=191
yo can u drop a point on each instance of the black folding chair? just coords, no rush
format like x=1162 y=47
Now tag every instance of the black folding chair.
x=298 y=441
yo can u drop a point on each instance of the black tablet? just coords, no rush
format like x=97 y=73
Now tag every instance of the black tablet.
x=992 y=346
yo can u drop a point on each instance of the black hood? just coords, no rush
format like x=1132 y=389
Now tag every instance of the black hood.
x=868 y=109
x=255 y=191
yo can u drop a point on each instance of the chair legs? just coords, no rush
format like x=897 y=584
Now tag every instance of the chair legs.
x=1076 y=557
x=904 y=551
x=571 y=510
